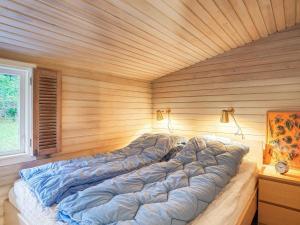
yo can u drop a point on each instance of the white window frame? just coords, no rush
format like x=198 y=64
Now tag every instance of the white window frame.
x=26 y=113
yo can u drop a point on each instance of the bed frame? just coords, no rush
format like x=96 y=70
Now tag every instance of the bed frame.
x=13 y=217
x=249 y=211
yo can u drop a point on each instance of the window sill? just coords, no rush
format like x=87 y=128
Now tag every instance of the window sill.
x=14 y=159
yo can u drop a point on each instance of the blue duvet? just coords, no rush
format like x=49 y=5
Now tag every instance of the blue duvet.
x=165 y=193
x=53 y=182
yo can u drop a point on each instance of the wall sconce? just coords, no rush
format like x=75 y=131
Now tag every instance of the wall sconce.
x=160 y=116
x=225 y=119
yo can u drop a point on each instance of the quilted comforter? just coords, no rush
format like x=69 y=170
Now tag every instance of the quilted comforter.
x=53 y=182
x=165 y=193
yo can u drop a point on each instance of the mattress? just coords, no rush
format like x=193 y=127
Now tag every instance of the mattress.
x=224 y=210
x=229 y=204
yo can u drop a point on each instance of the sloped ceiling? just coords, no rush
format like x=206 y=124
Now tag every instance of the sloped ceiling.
x=142 y=39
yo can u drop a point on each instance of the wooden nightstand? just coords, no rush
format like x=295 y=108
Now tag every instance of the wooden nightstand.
x=278 y=197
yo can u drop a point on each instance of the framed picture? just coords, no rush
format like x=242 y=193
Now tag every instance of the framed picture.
x=283 y=138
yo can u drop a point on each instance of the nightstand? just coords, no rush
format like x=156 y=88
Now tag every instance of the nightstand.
x=278 y=197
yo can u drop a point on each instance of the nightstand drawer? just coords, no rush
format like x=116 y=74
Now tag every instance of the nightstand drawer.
x=279 y=193
x=274 y=215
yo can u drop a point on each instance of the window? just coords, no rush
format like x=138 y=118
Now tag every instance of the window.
x=15 y=113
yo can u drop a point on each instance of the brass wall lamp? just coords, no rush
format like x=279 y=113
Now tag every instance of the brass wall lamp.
x=225 y=119
x=160 y=116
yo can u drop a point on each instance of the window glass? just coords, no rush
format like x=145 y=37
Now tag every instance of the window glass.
x=15 y=111
x=10 y=114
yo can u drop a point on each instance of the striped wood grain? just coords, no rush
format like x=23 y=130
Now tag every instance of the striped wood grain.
x=253 y=79
x=142 y=39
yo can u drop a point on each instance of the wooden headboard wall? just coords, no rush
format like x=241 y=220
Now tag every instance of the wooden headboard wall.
x=261 y=76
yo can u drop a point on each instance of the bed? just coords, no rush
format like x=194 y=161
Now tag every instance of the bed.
x=235 y=205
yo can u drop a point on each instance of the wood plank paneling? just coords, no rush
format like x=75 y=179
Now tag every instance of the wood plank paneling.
x=290 y=12
x=267 y=13
x=257 y=17
x=140 y=39
x=100 y=113
x=242 y=11
x=262 y=76
x=297 y=11
x=279 y=14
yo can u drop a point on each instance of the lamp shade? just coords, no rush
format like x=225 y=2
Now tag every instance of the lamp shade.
x=224 y=117
x=159 y=115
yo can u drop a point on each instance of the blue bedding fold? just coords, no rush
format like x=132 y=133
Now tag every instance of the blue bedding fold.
x=165 y=193
x=53 y=182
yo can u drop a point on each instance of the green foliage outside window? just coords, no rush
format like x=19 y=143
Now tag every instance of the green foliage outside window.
x=9 y=109
x=9 y=96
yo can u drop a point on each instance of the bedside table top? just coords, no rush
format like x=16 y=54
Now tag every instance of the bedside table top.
x=269 y=172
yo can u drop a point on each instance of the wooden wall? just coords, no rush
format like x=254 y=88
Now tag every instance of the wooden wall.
x=261 y=76
x=104 y=113
x=100 y=113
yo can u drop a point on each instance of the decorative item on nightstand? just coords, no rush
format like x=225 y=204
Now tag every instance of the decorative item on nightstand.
x=282 y=167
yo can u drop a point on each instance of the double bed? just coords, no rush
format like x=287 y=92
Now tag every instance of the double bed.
x=235 y=204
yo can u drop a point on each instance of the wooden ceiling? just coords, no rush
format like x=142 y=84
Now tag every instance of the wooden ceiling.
x=142 y=39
